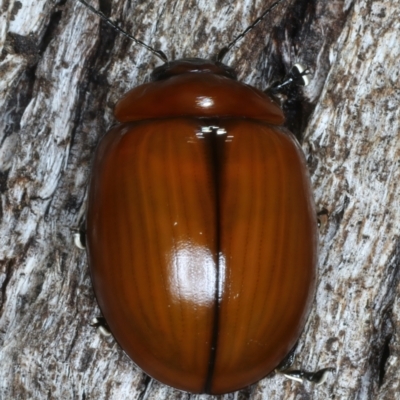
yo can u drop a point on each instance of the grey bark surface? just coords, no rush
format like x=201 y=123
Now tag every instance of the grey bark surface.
x=61 y=72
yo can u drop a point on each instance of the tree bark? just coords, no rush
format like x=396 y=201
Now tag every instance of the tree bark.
x=62 y=70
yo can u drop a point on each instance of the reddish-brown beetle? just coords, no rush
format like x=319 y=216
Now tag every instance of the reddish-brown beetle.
x=201 y=229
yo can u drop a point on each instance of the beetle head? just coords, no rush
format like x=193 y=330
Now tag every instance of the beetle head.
x=192 y=65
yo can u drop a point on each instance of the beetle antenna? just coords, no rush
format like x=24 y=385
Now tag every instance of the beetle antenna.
x=225 y=50
x=157 y=53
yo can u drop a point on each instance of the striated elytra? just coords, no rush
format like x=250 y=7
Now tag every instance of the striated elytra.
x=201 y=229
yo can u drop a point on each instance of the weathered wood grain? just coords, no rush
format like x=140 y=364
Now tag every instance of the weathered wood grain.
x=61 y=72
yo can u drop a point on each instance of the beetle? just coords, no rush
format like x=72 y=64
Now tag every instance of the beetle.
x=201 y=228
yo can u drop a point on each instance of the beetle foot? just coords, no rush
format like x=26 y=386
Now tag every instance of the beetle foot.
x=322 y=218
x=101 y=325
x=80 y=236
x=318 y=377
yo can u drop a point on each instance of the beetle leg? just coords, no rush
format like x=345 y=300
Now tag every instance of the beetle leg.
x=317 y=377
x=298 y=75
x=322 y=218
x=101 y=325
x=80 y=236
